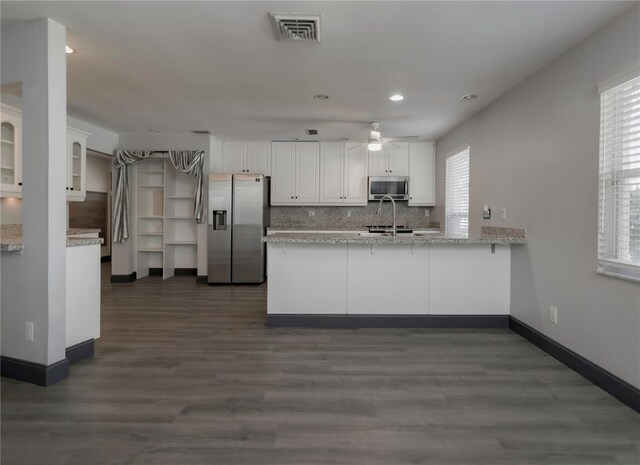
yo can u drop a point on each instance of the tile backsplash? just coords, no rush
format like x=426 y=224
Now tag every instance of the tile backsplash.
x=337 y=218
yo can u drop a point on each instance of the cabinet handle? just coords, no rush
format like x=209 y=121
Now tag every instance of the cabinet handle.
x=67 y=188
x=19 y=184
x=390 y=171
x=71 y=188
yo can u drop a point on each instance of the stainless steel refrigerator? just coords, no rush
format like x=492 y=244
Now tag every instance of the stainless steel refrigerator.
x=238 y=218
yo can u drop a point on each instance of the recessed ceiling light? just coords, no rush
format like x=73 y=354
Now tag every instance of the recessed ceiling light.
x=69 y=49
x=321 y=97
x=468 y=97
x=396 y=97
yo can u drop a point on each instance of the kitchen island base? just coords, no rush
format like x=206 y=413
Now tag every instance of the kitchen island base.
x=313 y=280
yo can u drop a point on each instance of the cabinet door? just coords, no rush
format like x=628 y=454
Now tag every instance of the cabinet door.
x=378 y=163
x=11 y=158
x=233 y=157
x=355 y=173
x=421 y=174
x=308 y=172
x=283 y=161
x=398 y=156
x=331 y=172
x=76 y=165
x=258 y=158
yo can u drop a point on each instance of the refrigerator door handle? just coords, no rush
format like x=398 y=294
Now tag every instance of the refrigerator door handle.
x=219 y=220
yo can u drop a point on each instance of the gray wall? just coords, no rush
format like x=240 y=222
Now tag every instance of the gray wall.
x=534 y=151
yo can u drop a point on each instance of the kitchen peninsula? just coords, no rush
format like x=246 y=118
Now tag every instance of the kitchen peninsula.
x=82 y=287
x=351 y=279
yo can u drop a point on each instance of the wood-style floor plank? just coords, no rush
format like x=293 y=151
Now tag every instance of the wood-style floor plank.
x=187 y=374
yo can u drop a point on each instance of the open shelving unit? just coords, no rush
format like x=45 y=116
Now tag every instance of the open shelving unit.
x=166 y=230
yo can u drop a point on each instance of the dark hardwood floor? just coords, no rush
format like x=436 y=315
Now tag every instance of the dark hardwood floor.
x=187 y=374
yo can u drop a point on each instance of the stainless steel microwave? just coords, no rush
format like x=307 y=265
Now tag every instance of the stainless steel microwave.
x=396 y=186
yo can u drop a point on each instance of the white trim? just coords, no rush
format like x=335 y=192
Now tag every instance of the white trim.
x=619 y=270
x=616 y=81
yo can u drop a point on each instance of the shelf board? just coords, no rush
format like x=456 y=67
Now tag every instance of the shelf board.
x=151 y=171
x=180 y=218
x=7 y=168
x=150 y=234
x=150 y=217
x=150 y=186
x=150 y=250
x=9 y=142
x=75 y=175
x=76 y=157
x=182 y=243
x=179 y=197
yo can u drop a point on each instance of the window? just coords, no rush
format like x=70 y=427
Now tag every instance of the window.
x=457 y=194
x=619 y=200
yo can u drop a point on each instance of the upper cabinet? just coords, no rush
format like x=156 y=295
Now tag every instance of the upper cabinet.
x=422 y=174
x=11 y=159
x=246 y=157
x=343 y=173
x=295 y=173
x=76 y=165
x=392 y=160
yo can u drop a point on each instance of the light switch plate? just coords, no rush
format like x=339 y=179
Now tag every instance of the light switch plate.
x=553 y=314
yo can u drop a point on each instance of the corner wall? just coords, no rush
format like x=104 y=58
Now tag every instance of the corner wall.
x=534 y=151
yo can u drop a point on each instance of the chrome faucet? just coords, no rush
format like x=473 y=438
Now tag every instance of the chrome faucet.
x=393 y=203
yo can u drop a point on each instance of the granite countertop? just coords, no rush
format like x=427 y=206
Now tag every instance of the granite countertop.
x=354 y=238
x=11 y=238
x=489 y=235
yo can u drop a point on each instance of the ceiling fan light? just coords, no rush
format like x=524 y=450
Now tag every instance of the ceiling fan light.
x=374 y=146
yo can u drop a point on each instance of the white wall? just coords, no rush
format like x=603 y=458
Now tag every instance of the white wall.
x=122 y=257
x=100 y=139
x=98 y=173
x=33 y=283
x=534 y=151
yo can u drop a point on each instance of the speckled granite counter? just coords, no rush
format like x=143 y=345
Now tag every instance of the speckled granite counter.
x=11 y=237
x=354 y=238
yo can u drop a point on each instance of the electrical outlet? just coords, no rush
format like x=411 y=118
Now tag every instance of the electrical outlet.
x=426 y=212
x=553 y=314
x=28 y=331
x=503 y=214
x=348 y=213
x=312 y=213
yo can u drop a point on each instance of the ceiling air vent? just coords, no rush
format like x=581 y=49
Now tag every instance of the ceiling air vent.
x=312 y=132
x=296 y=27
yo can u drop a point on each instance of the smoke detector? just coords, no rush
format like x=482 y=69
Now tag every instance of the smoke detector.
x=296 y=27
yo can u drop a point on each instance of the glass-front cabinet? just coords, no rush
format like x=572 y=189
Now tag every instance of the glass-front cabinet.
x=76 y=164
x=11 y=156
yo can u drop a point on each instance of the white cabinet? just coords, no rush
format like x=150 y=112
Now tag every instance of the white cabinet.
x=332 y=172
x=295 y=173
x=76 y=165
x=387 y=279
x=392 y=160
x=307 y=279
x=343 y=173
x=468 y=280
x=422 y=174
x=246 y=157
x=11 y=157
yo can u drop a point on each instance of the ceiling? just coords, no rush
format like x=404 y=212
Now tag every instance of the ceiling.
x=179 y=66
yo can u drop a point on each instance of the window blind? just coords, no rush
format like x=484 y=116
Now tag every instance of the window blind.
x=457 y=194
x=619 y=199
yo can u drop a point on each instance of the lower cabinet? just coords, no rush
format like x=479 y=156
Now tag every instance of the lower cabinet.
x=309 y=280
x=378 y=279
x=469 y=280
x=388 y=279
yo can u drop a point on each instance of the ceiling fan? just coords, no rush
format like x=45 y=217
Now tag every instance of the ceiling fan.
x=375 y=141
